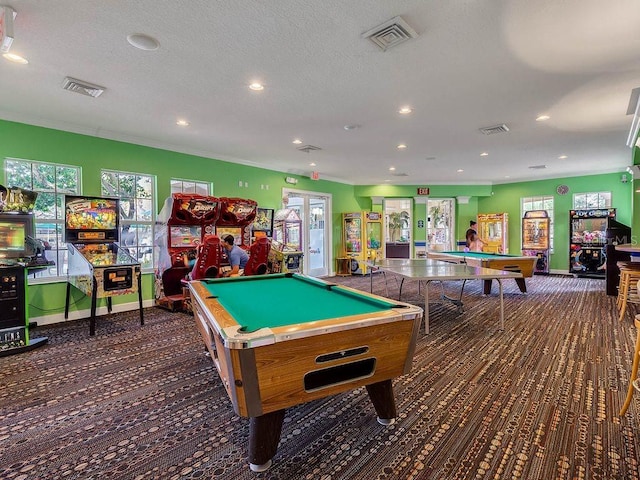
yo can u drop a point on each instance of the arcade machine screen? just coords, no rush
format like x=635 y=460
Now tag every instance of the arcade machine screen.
x=183 y=236
x=91 y=219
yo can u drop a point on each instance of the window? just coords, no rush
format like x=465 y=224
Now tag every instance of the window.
x=137 y=197
x=539 y=203
x=51 y=182
x=190 y=186
x=592 y=200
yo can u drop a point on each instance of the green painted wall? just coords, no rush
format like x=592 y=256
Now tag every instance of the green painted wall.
x=506 y=198
x=92 y=153
x=29 y=142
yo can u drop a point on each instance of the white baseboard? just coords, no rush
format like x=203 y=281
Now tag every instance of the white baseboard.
x=81 y=314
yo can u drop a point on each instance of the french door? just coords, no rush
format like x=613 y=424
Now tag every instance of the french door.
x=314 y=210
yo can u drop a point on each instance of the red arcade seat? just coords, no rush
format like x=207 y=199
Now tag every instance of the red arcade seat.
x=258 y=253
x=208 y=260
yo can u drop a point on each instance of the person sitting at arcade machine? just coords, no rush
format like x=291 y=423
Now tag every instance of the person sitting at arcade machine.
x=238 y=258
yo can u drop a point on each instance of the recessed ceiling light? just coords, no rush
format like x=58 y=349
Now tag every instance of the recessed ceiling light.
x=391 y=169
x=402 y=146
x=297 y=141
x=507 y=176
x=460 y=170
x=405 y=110
x=256 y=87
x=142 y=41
x=562 y=157
x=484 y=154
x=12 y=57
x=182 y=123
x=387 y=180
x=312 y=164
x=351 y=127
x=542 y=118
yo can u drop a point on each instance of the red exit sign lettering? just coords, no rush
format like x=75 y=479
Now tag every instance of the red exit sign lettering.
x=423 y=191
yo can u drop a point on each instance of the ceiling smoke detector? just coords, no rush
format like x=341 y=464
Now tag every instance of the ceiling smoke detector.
x=308 y=148
x=495 y=129
x=82 y=87
x=391 y=33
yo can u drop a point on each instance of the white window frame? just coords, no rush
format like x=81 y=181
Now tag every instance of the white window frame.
x=183 y=185
x=142 y=250
x=592 y=200
x=58 y=252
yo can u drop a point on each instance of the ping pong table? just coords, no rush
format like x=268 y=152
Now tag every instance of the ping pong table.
x=430 y=270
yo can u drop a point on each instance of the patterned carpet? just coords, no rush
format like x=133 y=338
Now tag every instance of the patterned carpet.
x=537 y=401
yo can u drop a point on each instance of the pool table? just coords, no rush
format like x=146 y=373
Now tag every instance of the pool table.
x=497 y=261
x=284 y=339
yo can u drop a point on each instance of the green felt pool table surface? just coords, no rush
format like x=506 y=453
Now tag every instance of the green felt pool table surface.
x=283 y=299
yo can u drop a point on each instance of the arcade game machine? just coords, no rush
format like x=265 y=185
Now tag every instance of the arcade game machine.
x=535 y=239
x=236 y=218
x=617 y=234
x=262 y=226
x=98 y=267
x=16 y=227
x=286 y=247
x=588 y=234
x=362 y=234
x=181 y=225
x=493 y=228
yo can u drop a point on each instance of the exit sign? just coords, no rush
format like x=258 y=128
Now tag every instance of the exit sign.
x=423 y=191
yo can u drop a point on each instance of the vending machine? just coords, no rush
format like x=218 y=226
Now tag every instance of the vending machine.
x=535 y=239
x=362 y=239
x=493 y=229
x=588 y=236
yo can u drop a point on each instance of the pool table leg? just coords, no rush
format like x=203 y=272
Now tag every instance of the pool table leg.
x=264 y=435
x=381 y=395
x=521 y=285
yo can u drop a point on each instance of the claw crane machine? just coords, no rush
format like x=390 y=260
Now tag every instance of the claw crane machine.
x=493 y=229
x=535 y=238
x=362 y=239
x=286 y=246
x=98 y=267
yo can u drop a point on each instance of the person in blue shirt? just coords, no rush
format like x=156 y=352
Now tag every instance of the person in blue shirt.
x=238 y=258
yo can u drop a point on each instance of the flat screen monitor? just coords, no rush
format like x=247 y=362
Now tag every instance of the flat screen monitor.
x=14 y=230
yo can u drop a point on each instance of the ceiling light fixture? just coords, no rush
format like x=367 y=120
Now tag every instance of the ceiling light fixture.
x=460 y=170
x=12 y=57
x=542 y=118
x=351 y=127
x=143 y=42
x=484 y=154
x=391 y=169
x=182 y=123
x=405 y=110
x=257 y=87
x=297 y=141
x=402 y=146
x=312 y=164
x=562 y=157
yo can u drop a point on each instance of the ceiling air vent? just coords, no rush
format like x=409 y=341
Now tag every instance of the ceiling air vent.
x=390 y=33
x=495 y=129
x=80 y=86
x=538 y=167
x=308 y=148
x=401 y=174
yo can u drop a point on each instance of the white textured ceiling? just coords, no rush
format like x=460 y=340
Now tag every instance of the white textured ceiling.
x=474 y=64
